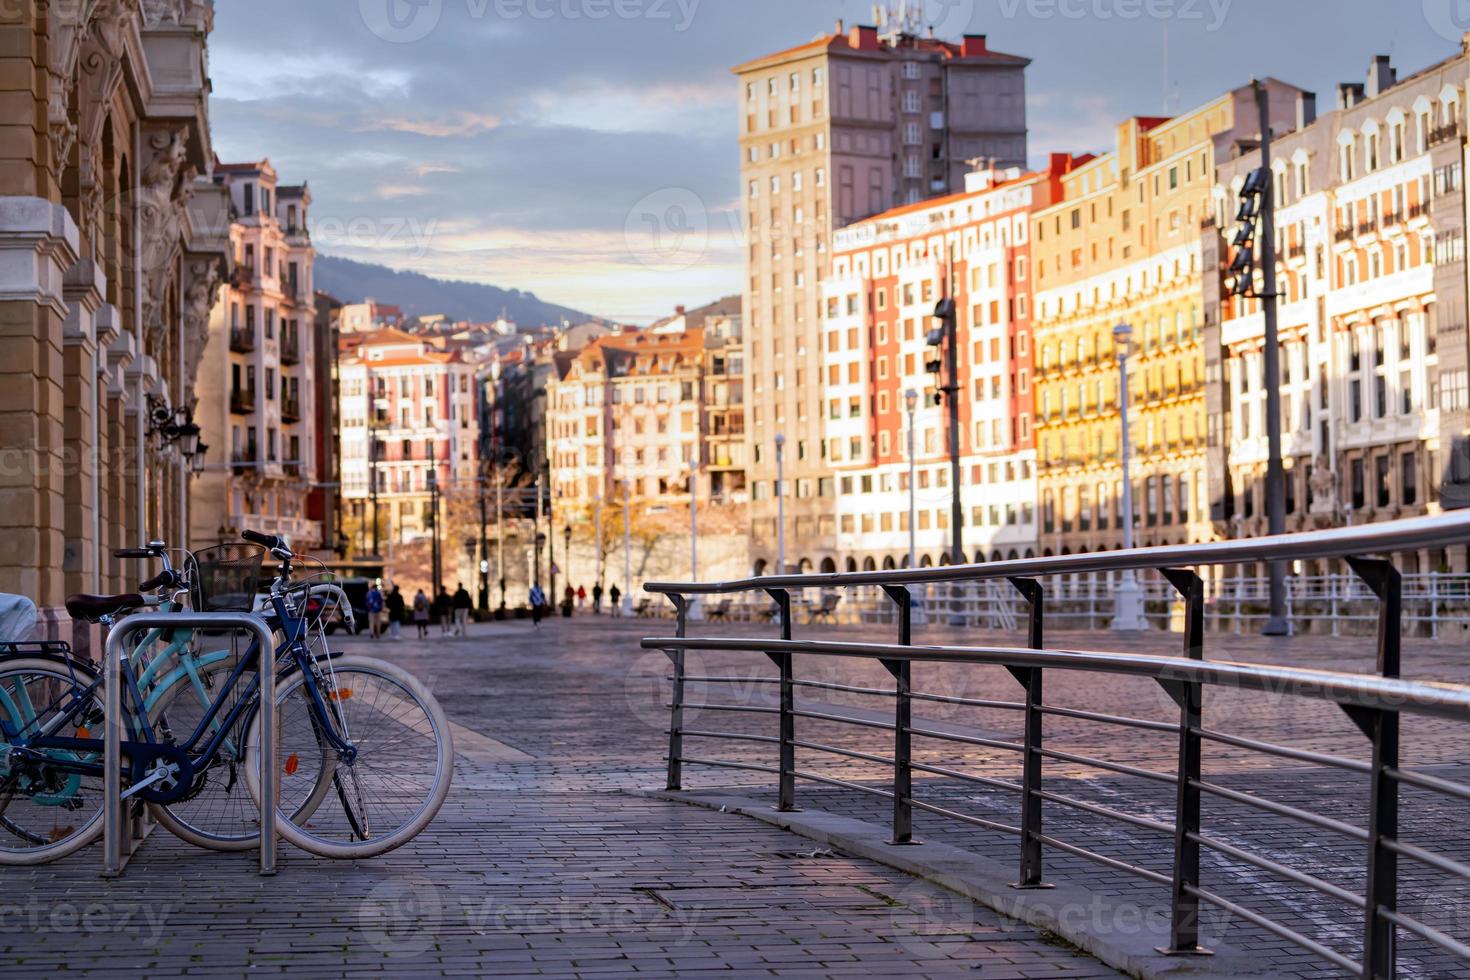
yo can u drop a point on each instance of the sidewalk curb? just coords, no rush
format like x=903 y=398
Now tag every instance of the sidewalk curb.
x=986 y=882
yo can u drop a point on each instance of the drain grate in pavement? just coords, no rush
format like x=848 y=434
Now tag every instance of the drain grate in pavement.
x=769 y=897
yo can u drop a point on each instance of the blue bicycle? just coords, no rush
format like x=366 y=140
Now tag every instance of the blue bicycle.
x=364 y=754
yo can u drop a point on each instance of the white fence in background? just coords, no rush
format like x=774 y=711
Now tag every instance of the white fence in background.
x=1435 y=605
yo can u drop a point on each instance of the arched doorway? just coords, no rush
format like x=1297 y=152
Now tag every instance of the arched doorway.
x=829 y=567
x=805 y=568
x=760 y=567
x=852 y=565
x=888 y=564
x=869 y=565
x=926 y=562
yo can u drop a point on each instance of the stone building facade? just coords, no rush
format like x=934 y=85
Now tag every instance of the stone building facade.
x=1370 y=217
x=1124 y=246
x=852 y=124
x=258 y=387
x=888 y=272
x=113 y=242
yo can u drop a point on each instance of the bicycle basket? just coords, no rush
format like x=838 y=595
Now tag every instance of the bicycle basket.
x=226 y=578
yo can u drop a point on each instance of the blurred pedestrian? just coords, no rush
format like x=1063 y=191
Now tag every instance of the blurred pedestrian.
x=613 y=595
x=538 y=605
x=395 y=613
x=421 y=614
x=581 y=597
x=375 y=610
x=443 y=610
x=462 y=606
x=597 y=599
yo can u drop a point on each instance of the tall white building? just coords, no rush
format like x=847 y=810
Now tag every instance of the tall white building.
x=256 y=391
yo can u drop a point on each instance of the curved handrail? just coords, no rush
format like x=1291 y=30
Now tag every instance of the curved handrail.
x=1357 y=690
x=1386 y=537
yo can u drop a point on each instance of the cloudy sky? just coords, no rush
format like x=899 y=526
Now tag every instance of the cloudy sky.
x=586 y=150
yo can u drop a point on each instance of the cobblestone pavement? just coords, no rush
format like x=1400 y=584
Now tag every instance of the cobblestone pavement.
x=538 y=864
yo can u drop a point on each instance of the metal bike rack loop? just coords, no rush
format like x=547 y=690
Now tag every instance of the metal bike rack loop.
x=117 y=844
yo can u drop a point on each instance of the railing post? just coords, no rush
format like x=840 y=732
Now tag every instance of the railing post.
x=1030 y=679
x=786 y=801
x=1380 y=938
x=1184 y=926
x=903 y=719
x=676 y=704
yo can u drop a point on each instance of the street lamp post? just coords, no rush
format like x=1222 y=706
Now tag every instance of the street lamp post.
x=484 y=546
x=551 y=548
x=500 y=533
x=597 y=519
x=780 y=504
x=1276 y=623
x=1128 y=601
x=911 y=397
x=627 y=549
x=566 y=540
x=434 y=526
x=694 y=611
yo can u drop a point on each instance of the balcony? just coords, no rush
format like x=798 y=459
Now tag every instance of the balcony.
x=1342 y=235
x=290 y=349
x=244 y=276
x=1367 y=228
x=1444 y=133
x=292 y=470
x=1392 y=219
x=242 y=401
x=1418 y=210
x=242 y=340
x=1296 y=251
x=243 y=462
x=291 y=410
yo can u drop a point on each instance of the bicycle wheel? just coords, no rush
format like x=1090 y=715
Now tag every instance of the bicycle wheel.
x=220 y=813
x=393 y=785
x=47 y=812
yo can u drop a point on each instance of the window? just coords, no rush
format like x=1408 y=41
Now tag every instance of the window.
x=1381 y=472
x=1408 y=479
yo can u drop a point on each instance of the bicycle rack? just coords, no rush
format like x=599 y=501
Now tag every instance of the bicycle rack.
x=119 y=840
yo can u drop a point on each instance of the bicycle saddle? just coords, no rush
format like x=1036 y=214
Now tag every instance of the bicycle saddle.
x=94 y=607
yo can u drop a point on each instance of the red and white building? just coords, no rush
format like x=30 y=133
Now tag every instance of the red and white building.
x=888 y=273
x=419 y=405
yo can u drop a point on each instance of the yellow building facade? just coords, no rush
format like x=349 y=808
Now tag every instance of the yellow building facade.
x=1124 y=247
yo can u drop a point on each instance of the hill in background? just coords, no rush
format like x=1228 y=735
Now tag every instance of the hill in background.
x=421 y=295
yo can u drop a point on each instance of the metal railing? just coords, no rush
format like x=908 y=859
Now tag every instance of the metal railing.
x=1435 y=604
x=1374 y=703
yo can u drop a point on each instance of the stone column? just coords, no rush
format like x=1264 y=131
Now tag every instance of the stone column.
x=38 y=242
x=85 y=286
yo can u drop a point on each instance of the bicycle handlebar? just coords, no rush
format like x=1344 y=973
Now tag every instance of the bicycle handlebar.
x=270 y=542
x=165 y=577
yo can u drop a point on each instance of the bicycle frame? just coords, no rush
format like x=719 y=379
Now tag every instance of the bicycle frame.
x=142 y=746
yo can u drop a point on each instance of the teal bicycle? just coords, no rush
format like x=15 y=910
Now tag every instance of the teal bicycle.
x=182 y=685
